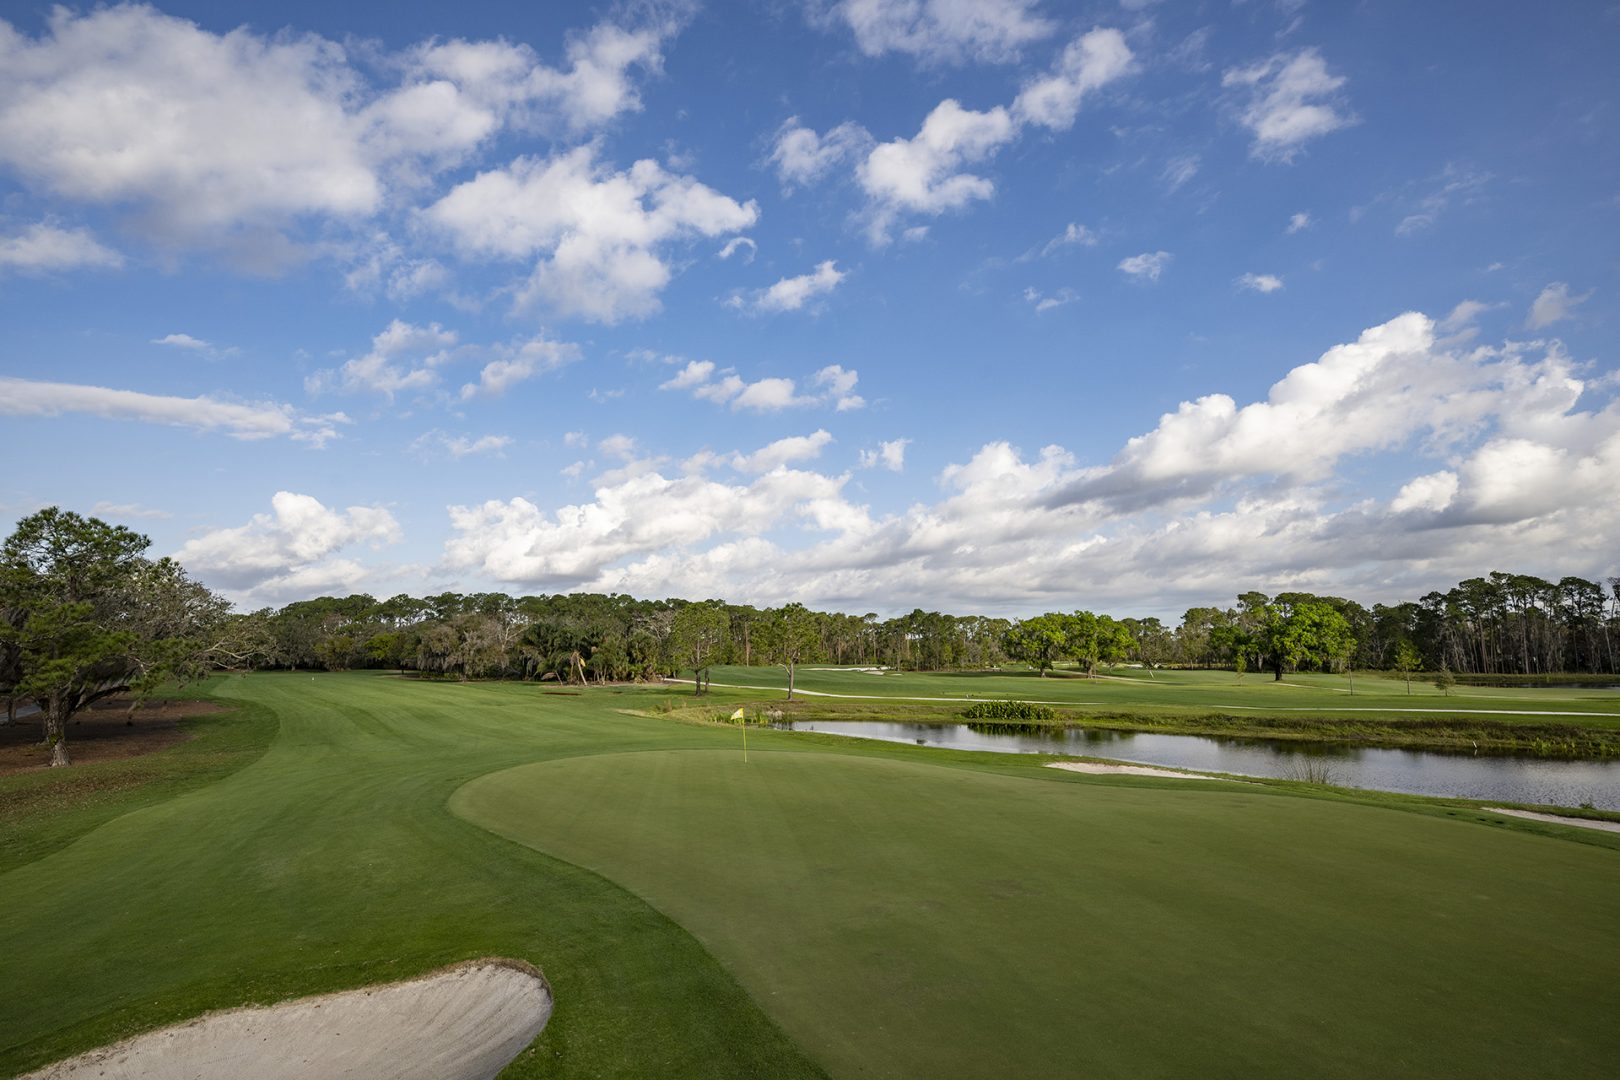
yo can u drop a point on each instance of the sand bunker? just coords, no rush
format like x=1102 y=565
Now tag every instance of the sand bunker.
x=463 y=1023
x=1099 y=768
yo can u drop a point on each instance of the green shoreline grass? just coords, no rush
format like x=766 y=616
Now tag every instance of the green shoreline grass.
x=1462 y=732
x=332 y=859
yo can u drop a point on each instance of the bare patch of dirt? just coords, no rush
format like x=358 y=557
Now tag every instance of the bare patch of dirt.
x=104 y=732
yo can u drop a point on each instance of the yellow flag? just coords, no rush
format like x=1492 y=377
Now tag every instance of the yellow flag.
x=738 y=715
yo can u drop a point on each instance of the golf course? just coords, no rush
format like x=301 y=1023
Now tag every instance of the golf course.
x=827 y=906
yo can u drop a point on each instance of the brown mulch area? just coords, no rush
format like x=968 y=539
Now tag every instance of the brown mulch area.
x=102 y=732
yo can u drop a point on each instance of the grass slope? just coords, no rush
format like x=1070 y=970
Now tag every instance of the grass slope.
x=332 y=862
x=901 y=919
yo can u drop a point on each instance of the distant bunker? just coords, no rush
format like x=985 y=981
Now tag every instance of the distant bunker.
x=462 y=1023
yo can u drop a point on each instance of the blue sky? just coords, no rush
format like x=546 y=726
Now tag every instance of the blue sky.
x=1001 y=306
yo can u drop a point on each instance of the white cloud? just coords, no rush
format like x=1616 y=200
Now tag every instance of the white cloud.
x=1146 y=266
x=801 y=156
x=891 y=455
x=403 y=356
x=1553 y=304
x=792 y=293
x=1044 y=303
x=944 y=31
x=183 y=341
x=1291 y=99
x=838 y=386
x=128 y=511
x=517 y=363
x=291 y=552
x=1463 y=315
x=1260 y=283
x=704 y=380
x=1453 y=184
x=1217 y=493
x=261 y=420
x=45 y=248
x=459 y=446
x=1071 y=236
x=1432 y=492
x=1089 y=63
x=1178 y=171
x=928 y=173
x=598 y=235
x=1299 y=222
x=923 y=174
x=215 y=140
x=782 y=452
x=736 y=244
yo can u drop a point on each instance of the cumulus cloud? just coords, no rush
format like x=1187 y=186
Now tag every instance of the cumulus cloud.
x=890 y=455
x=518 y=363
x=1554 y=304
x=598 y=236
x=1260 y=283
x=941 y=31
x=1299 y=222
x=782 y=452
x=402 y=356
x=1291 y=98
x=1088 y=63
x=801 y=156
x=290 y=553
x=44 y=248
x=792 y=293
x=241 y=420
x=703 y=379
x=928 y=173
x=1218 y=492
x=1146 y=266
x=215 y=139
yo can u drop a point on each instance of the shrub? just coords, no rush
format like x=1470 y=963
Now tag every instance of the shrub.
x=1009 y=710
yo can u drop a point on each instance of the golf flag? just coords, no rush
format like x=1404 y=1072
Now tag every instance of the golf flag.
x=740 y=718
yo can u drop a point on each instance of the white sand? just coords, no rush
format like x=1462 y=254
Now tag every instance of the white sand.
x=1097 y=767
x=1559 y=819
x=463 y=1023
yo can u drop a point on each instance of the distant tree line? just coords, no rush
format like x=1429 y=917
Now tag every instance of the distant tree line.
x=1501 y=624
x=85 y=615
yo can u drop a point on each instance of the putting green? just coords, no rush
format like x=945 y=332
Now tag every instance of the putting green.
x=903 y=919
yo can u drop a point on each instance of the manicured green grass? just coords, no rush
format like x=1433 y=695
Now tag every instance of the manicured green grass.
x=332 y=862
x=1562 y=721
x=1071 y=925
x=901 y=919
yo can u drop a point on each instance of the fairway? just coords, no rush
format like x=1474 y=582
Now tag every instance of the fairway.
x=901 y=919
x=831 y=908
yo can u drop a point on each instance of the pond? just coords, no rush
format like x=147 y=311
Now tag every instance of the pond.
x=1416 y=772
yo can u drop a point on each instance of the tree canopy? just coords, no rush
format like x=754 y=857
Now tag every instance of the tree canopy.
x=85 y=615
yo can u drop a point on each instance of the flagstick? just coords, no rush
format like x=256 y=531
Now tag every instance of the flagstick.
x=745 y=739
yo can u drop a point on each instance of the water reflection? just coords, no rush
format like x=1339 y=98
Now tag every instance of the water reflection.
x=1418 y=772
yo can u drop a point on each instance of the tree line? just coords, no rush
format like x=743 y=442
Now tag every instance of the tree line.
x=85 y=614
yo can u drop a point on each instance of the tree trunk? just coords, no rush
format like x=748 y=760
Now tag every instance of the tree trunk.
x=56 y=718
x=790 y=680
